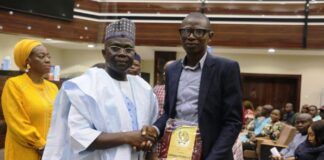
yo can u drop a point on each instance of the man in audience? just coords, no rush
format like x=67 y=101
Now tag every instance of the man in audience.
x=135 y=69
x=305 y=108
x=314 y=112
x=303 y=121
x=256 y=126
x=322 y=112
x=289 y=114
x=262 y=118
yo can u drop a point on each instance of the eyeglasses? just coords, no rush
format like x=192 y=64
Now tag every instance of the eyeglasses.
x=198 y=33
x=117 y=49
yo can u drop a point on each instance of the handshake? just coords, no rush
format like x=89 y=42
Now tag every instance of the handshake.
x=143 y=139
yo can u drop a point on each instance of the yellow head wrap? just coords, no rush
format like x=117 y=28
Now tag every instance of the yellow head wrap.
x=22 y=51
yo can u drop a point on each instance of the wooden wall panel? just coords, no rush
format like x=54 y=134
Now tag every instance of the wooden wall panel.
x=225 y=35
x=87 y=5
x=166 y=34
x=316 y=37
x=211 y=8
x=282 y=36
x=272 y=89
x=157 y=34
x=47 y=27
x=316 y=9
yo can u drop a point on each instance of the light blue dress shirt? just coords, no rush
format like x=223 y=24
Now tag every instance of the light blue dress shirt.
x=188 y=91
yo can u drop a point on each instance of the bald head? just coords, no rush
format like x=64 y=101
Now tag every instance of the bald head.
x=196 y=15
x=303 y=121
x=304 y=116
x=267 y=110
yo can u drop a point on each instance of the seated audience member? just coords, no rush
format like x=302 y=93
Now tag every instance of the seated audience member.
x=314 y=113
x=266 y=111
x=313 y=147
x=135 y=69
x=289 y=115
x=248 y=112
x=257 y=117
x=273 y=128
x=305 y=108
x=256 y=126
x=303 y=121
x=261 y=119
x=159 y=89
x=322 y=112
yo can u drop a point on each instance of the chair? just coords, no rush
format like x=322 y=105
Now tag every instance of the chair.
x=286 y=136
x=253 y=154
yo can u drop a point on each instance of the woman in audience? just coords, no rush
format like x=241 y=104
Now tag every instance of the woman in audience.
x=273 y=128
x=313 y=147
x=27 y=102
x=248 y=112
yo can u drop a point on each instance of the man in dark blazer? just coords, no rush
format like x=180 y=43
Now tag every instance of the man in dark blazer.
x=205 y=89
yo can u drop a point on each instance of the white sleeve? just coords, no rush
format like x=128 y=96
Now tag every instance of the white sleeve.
x=154 y=108
x=82 y=132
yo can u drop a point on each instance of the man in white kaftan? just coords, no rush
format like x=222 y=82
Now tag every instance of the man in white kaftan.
x=100 y=104
x=96 y=105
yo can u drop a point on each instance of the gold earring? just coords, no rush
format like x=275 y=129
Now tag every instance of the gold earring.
x=28 y=67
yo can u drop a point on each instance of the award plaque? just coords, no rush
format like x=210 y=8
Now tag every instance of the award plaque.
x=181 y=141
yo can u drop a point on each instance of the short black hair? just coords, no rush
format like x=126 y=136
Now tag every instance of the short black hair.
x=198 y=15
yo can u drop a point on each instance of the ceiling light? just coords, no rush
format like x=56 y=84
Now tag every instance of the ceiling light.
x=11 y=12
x=271 y=50
x=29 y=27
x=85 y=28
x=58 y=26
x=1 y=27
x=91 y=45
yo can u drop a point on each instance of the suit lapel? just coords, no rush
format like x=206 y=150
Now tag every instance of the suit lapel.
x=206 y=79
x=174 y=83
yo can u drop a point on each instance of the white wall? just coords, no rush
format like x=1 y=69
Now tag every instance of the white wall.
x=75 y=62
x=8 y=42
x=148 y=67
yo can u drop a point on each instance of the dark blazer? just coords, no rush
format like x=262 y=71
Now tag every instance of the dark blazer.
x=306 y=151
x=219 y=105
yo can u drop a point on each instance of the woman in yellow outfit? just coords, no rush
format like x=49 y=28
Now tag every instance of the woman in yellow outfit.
x=27 y=102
